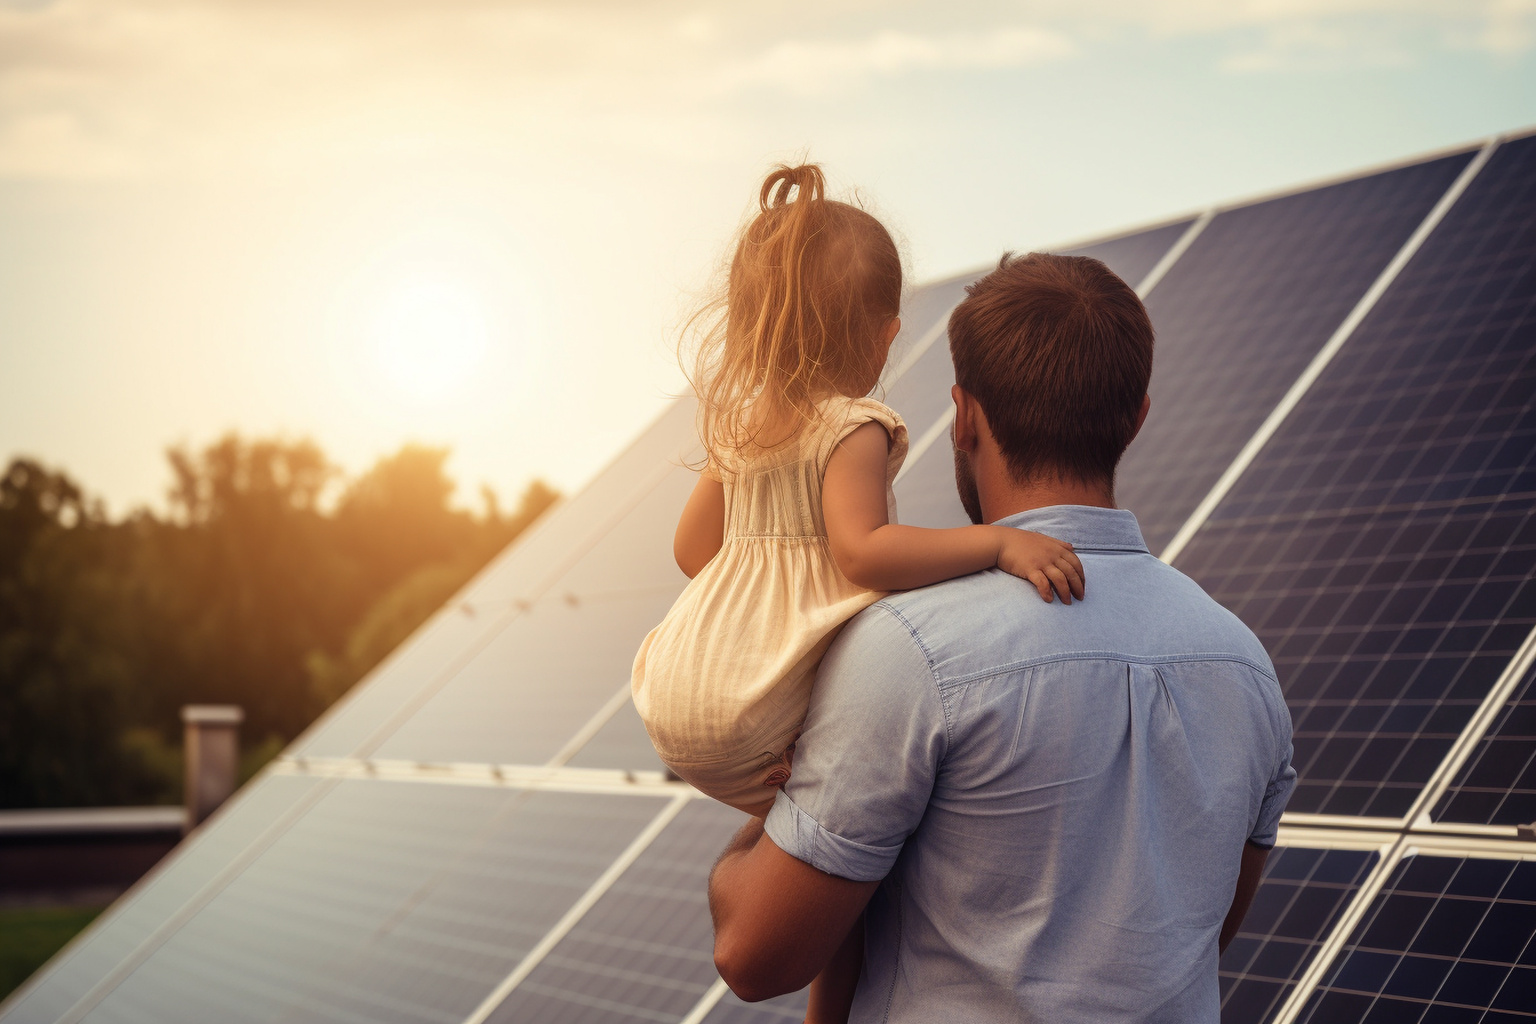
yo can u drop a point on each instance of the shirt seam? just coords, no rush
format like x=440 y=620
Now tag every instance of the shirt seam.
x=1056 y=659
x=933 y=674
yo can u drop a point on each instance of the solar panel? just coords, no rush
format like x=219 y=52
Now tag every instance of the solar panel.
x=1447 y=939
x=385 y=902
x=1241 y=314
x=644 y=951
x=1381 y=544
x=1497 y=785
x=1302 y=895
x=466 y=838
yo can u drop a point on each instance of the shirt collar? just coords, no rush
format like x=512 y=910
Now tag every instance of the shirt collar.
x=1085 y=527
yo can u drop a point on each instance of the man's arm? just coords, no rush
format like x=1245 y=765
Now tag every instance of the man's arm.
x=778 y=921
x=1248 y=874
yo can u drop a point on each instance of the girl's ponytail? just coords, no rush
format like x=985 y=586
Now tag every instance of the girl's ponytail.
x=782 y=180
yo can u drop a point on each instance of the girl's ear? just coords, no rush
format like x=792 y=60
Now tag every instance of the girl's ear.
x=891 y=330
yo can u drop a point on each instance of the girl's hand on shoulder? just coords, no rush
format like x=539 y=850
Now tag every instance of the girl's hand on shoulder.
x=1050 y=564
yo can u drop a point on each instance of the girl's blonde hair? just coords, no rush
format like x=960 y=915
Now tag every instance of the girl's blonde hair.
x=812 y=284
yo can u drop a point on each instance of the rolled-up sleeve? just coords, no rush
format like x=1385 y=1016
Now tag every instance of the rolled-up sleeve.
x=1281 y=783
x=867 y=758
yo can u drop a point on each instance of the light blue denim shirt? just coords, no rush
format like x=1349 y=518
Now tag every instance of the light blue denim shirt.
x=1056 y=797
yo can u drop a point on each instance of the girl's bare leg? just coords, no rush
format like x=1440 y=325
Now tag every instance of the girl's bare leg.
x=832 y=989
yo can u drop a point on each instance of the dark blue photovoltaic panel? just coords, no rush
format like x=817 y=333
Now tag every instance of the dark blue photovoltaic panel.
x=1300 y=898
x=1446 y=940
x=1497 y=785
x=1242 y=313
x=1382 y=545
x=388 y=902
x=644 y=952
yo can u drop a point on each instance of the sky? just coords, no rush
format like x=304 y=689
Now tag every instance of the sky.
x=479 y=225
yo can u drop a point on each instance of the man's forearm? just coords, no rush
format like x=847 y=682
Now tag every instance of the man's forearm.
x=778 y=920
x=719 y=876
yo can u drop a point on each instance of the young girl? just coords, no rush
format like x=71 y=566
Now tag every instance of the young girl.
x=791 y=529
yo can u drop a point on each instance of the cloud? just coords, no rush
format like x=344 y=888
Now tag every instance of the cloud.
x=106 y=87
x=815 y=65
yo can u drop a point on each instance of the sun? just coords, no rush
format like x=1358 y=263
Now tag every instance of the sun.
x=429 y=337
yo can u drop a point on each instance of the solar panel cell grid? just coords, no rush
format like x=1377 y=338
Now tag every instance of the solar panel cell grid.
x=1447 y=939
x=1301 y=897
x=1244 y=310
x=644 y=952
x=1497 y=785
x=387 y=902
x=1382 y=544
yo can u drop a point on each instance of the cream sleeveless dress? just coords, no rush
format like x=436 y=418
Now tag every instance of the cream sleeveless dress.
x=724 y=681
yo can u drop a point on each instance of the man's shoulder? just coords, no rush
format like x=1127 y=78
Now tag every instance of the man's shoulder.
x=1137 y=607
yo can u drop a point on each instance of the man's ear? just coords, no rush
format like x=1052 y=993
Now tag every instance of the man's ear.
x=969 y=419
x=1141 y=417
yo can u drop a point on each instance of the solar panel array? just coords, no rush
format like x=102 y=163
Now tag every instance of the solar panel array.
x=1341 y=450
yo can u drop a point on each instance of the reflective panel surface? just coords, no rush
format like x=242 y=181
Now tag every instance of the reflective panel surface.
x=1497 y=785
x=644 y=952
x=1381 y=544
x=1241 y=314
x=387 y=902
x=1447 y=940
x=1301 y=897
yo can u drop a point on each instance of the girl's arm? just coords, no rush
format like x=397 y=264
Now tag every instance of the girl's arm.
x=875 y=553
x=701 y=530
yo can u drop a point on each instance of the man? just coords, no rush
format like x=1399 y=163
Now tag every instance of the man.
x=1045 y=813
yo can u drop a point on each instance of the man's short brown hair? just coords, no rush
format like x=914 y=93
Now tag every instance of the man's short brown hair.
x=1057 y=351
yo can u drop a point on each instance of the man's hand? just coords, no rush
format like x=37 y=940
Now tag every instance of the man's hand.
x=777 y=919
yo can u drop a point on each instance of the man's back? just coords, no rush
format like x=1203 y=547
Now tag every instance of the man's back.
x=1057 y=797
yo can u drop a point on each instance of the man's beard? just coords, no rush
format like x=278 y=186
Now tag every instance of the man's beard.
x=965 y=483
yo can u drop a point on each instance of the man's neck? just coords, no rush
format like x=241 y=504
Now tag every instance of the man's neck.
x=1013 y=497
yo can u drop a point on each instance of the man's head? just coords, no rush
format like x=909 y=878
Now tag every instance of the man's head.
x=1055 y=352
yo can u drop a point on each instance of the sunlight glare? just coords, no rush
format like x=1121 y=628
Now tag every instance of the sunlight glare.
x=429 y=337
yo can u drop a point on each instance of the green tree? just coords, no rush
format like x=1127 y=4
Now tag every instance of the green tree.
x=66 y=671
x=251 y=591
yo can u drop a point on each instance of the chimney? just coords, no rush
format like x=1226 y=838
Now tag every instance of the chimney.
x=213 y=756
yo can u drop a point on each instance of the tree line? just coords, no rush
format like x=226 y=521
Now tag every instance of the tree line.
x=270 y=582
